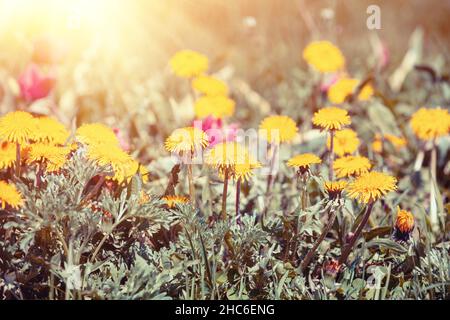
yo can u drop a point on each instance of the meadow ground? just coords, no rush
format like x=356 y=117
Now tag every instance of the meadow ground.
x=198 y=149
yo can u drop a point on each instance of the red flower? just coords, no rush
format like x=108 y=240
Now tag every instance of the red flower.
x=332 y=267
x=34 y=85
x=215 y=130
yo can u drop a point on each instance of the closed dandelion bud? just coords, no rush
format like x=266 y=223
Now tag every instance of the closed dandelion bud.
x=404 y=225
x=303 y=162
x=335 y=188
x=172 y=201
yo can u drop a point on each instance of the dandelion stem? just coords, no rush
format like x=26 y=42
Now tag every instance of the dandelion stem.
x=224 y=194
x=270 y=178
x=191 y=184
x=99 y=246
x=433 y=210
x=355 y=237
x=17 y=160
x=238 y=199
x=39 y=175
x=332 y=216
x=331 y=157
x=304 y=193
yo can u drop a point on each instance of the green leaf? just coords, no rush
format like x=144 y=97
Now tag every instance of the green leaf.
x=387 y=244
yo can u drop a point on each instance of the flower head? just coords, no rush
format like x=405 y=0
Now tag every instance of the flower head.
x=50 y=130
x=244 y=171
x=209 y=86
x=404 y=225
x=324 y=56
x=304 y=161
x=344 y=87
x=7 y=155
x=371 y=186
x=397 y=142
x=53 y=156
x=9 y=196
x=335 y=188
x=188 y=139
x=345 y=142
x=351 y=166
x=429 y=124
x=226 y=155
x=133 y=167
x=173 y=201
x=216 y=106
x=111 y=155
x=278 y=129
x=96 y=133
x=17 y=127
x=188 y=63
x=331 y=118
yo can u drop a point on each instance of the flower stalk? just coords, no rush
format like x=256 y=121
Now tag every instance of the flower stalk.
x=238 y=199
x=17 y=160
x=433 y=182
x=270 y=178
x=331 y=156
x=332 y=213
x=224 y=193
x=304 y=193
x=348 y=248
x=191 y=183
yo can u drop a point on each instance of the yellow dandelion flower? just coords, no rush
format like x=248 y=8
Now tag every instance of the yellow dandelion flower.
x=350 y=166
x=429 y=124
x=216 y=106
x=188 y=63
x=50 y=130
x=17 y=127
x=397 y=142
x=345 y=142
x=304 y=161
x=53 y=156
x=366 y=93
x=132 y=168
x=324 y=56
x=188 y=139
x=210 y=86
x=111 y=155
x=278 y=129
x=335 y=188
x=173 y=201
x=371 y=186
x=331 y=118
x=344 y=87
x=226 y=155
x=96 y=133
x=7 y=155
x=10 y=196
x=243 y=171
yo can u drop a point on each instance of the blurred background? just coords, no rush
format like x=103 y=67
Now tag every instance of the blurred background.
x=107 y=59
